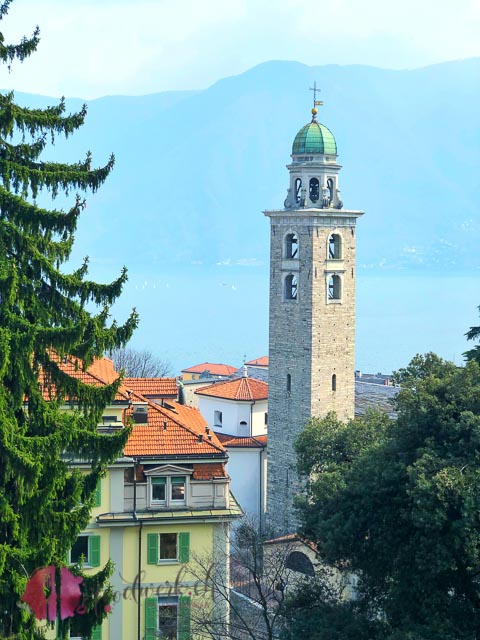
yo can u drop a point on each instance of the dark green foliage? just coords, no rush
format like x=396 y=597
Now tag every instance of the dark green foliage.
x=43 y=318
x=397 y=503
x=473 y=334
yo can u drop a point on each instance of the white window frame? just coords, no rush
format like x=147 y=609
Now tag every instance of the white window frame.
x=169 y=501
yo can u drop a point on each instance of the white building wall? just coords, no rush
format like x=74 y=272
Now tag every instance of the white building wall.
x=245 y=470
x=233 y=412
x=259 y=409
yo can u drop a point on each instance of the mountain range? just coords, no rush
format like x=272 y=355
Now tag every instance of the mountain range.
x=194 y=169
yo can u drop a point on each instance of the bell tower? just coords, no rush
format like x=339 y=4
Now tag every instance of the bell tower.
x=312 y=310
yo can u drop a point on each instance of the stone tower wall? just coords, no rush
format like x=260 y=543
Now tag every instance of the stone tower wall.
x=311 y=339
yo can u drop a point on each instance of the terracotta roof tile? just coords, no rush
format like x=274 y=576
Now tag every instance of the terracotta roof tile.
x=238 y=441
x=209 y=471
x=239 y=389
x=183 y=424
x=160 y=387
x=100 y=373
x=259 y=362
x=214 y=369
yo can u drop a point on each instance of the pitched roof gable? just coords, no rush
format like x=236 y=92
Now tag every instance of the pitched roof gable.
x=247 y=389
x=172 y=431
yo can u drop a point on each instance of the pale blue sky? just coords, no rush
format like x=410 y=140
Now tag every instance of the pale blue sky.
x=92 y=48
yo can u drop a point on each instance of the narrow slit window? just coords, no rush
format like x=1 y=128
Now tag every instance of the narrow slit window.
x=330 y=191
x=334 y=382
x=298 y=190
x=289 y=382
x=291 y=287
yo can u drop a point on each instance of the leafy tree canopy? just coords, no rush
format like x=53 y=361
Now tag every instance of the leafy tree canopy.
x=44 y=317
x=396 y=503
x=473 y=334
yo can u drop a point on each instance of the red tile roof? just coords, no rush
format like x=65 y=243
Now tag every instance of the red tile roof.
x=241 y=389
x=259 y=362
x=159 y=387
x=214 y=369
x=100 y=373
x=209 y=471
x=241 y=442
x=181 y=436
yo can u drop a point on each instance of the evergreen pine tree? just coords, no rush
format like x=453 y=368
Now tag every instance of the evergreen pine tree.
x=44 y=504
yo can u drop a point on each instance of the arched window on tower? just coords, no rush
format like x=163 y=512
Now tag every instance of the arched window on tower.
x=335 y=247
x=334 y=382
x=291 y=246
x=334 y=287
x=298 y=190
x=314 y=190
x=291 y=287
x=330 y=187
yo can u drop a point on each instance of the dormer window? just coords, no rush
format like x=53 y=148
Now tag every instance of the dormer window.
x=168 y=487
x=167 y=491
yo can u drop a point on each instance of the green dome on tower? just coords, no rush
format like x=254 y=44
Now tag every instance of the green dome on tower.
x=313 y=139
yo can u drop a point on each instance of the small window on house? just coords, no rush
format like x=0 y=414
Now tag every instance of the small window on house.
x=217 y=418
x=289 y=382
x=168 y=491
x=334 y=382
x=266 y=418
x=243 y=423
x=298 y=190
x=291 y=246
x=168 y=618
x=177 y=489
x=314 y=189
x=167 y=546
x=334 y=288
x=159 y=486
x=86 y=550
x=291 y=287
x=335 y=247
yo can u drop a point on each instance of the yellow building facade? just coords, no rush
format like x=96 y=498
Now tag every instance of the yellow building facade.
x=159 y=508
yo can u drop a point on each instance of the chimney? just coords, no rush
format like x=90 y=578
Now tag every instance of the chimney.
x=200 y=438
x=164 y=425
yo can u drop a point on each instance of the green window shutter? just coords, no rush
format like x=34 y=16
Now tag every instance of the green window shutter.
x=151 y=613
x=94 y=551
x=152 y=548
x=98 y=494
x=97 y=633
x=184 y=546
x=184 y=603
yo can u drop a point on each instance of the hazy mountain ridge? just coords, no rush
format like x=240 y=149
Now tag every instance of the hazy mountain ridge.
x=195 y=169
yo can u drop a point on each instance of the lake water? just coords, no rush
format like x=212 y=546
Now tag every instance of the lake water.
x=220 y=314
